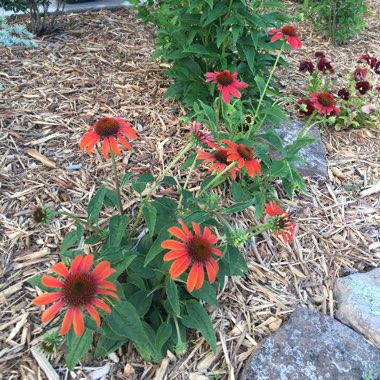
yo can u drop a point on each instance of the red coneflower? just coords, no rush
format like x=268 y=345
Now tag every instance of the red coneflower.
x=202 y=136
x=78 y=290
x=290 y=33
x=325 y=66
x=244 y=157
x=363 y=87
x=193 y=248
x=228 y=84
x=305 y=107
x=360 y=73
x=325 y=103
x=281 y=226
x=108 y=128
x=344 y=94
x=219 y=160
x=306 y=66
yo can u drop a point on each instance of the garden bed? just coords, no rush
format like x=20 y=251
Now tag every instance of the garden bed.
x=99 y=64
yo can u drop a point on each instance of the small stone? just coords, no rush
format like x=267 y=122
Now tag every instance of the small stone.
x=314 y=155
x=358 y=297
x=312 y=346
x=275 y=325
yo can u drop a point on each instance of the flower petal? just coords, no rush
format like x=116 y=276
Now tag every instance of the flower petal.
x=51 y=311
x=106 y=292
x=78 y=322
x=178 y=233
x=107 y=285
x=60 y=269
x=100 y=304
x=51 y=282
x=172 y=255
x=124 y=141
x=94 y=314
x=196 y=228
x=179 y=266
x=201 y=277
x=76 y=264
x=87 y=263
x=67 y=321
x=47 y=298
x=105 y=147
x=276 y=37
x=113 y=146
x=173 y=244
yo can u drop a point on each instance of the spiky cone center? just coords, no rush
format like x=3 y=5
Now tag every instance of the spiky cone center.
x=326 y=99
x=225 y=78
x=39 y=215
x=199 y=248
x=248 y=119
x=289 y=30
x=106 y=127
x=221 y=156
x=280 y=222
x=245 y=152
x=79 y=289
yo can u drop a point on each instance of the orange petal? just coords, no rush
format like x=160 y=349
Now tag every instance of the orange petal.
x=86 y=139
x=209 y=236
x=51 y=312
x=211 y=272
x=192 y=279
x=216 y=251
x=124 y=141
x=178 y=233
x=87 y=263
x=173 y=244
x=105 y=147
x=101 y=305
x=67 y=321
x=196 y=228
x=78 y=322
x=179 y=266
x=172 y=255
x=51 y=282
x=60 y=269
x=76 y=264
x=107 y=285
x=47 y=298
x=94 y=314
x=113 y=146
x=201 y=276
x=92 y=144
x=108 y=293
x=101 y=268
x=184 y=228
x=127 y=130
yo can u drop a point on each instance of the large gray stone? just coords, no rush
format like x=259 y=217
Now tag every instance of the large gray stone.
x=314 y=155
x=358 y=297
x=312 y=346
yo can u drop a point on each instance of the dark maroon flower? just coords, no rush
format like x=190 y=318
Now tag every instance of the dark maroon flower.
x=377 y=67
x=344 y=94
x=306 y=66
x=363 y=87
x=324 y=66
x=320 y=54
x=378 y=88
x=305 y=107
x=360 y=73
x=373 y=62
x=364 y=57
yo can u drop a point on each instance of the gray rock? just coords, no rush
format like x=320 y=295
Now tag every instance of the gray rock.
x=312 y=346
x=358 y=297
x=314 y=155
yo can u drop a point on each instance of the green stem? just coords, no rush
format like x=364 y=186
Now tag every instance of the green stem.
x=264 y=227
x=187 y=181
x=77 y=219
x=117 y=183
x=226 y=169
x=268 y=82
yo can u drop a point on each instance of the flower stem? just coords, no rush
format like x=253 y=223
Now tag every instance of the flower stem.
x=77 y=219
x=264 y=227
x=226 y=169
x=117 y=183
x=268 y=82
x=187 y=181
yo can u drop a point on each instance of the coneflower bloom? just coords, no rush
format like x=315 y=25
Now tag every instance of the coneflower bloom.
x=290 y=33
x=244 y=157
x=281 y=224
x=196 y=249
x=344 y=94
x=78 y=289
x=305 y=107
x=363 y=87
x=360 y=73
x=306 y=66
x=324 y=66
x=202 y=136
x=325 y=103
x=228 y=84
x=108 y=129
x=219 y=161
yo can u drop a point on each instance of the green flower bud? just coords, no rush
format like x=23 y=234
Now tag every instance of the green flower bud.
x=50 y=344
x=236 y=237
x=181 y=348
x=42 y=214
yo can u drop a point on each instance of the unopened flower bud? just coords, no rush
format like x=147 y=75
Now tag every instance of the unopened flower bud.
x=42 y=214
x=181 y=348
x=237 y=237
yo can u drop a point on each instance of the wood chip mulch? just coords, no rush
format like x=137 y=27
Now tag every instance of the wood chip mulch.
x=99 y=64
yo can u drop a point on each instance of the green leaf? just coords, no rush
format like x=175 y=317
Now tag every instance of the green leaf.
x=233 y=262
x=77 y=347
x=124 y=181
x=141 y=300
x=211 y=115
x=206 y=293
x=260 y=199
x=164 y=333
x=172 y=293
x=221 y=35
x=105 y=346
x=197 y=318
x=167 y=180
x=189 y=161
x=117 y=227
x=140 y=183
x=279 y=169
x=150 y=216
x=273 y=138
x=155 y=249
x=238 y=207
x=239 y=194
x=96 y=204
x=71 y=238
x=260 y=84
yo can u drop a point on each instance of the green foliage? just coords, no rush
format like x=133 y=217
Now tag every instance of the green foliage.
x=339 y=19
x=200 y=36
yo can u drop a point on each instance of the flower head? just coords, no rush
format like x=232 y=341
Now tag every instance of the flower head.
x=344 y=94
x=290 y=33
x=305 y=107
x=281 y=225
x=320 y=54
x=78 y=289
x=244 y=157
x=108 y=129
x=324 y=102
x=377 y=67
x=42 y=214
x=306 y=66
x=219 y=160
x=196 y=249
x=373 y=62
x=360 y=73
x=228 y=84
x=325 y=66
x=202 y=136
x=363 y=87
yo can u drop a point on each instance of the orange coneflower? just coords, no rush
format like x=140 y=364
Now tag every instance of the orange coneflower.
x=290 y=33
x=78 y=289
x=197 y=249
x=108 y=128
x=325 y=103
x=244 y=157
x=282 y=226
